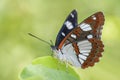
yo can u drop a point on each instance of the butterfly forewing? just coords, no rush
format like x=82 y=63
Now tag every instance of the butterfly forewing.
x=69 y=24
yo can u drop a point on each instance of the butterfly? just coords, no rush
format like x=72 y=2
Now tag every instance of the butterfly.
x=80 y=45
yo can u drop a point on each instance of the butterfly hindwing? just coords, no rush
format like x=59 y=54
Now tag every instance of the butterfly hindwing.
x=69 y=24
x=93 y=26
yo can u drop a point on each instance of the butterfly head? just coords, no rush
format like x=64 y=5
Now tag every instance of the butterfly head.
x=53 y=47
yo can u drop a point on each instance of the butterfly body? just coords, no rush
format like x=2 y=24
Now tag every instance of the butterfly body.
x=80 y=44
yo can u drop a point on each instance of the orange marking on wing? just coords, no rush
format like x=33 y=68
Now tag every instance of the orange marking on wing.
x=76 y=31
x=75 y=46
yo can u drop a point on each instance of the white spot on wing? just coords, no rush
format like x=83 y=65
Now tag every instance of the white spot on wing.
x=72 y=15
x=93 y=17
x=90 y=36
x=81 y=61
x=84 y=43
x=86 y=54
x=73 y=36
x=85 y=27
x=82 y=57
x=85 y=48
x=68 y=25
x=63 y=34
x=87 y=51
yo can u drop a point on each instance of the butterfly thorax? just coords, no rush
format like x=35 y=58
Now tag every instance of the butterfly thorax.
x=57 y=53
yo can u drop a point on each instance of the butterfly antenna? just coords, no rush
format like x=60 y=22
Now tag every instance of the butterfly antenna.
x=39 y=39
x=51 y=42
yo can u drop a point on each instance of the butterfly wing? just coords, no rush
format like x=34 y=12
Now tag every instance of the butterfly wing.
x=91 y=27
x=69 y=24
x=85 y=40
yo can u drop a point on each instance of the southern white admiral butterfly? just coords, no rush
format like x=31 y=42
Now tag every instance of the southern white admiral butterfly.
x=79 y=44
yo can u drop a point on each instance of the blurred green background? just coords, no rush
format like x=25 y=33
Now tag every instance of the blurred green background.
x=44 y=18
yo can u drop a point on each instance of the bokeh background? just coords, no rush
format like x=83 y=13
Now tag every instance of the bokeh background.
x=44 y=18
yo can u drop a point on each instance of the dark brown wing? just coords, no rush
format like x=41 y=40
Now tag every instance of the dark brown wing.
x=96 y=21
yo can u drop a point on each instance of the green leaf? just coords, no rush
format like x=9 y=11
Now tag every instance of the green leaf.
x=48 y=68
